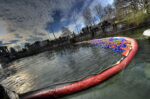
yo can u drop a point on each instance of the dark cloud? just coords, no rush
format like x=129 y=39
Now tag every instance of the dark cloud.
x=41 y=34
x=34 y=17
x=11 y=30
x=32 y=39
x=28 y=16
x=18 y=36
x=8 y=43
x=5 y=44
x=13 y=41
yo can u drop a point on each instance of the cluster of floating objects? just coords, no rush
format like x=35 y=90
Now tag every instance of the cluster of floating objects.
x=120 y=45
x=129 y=47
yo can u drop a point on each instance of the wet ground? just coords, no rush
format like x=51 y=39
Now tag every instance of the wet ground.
x=75 y=63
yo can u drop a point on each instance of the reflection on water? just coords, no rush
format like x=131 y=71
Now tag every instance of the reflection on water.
x=65 y=65
x=147 y=70
x=131 y=83
x=1 y=70
x=78 y=62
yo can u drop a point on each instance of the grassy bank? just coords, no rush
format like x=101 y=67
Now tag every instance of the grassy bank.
x=136 y=18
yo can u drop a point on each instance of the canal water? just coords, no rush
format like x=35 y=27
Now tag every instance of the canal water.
x=53 y=69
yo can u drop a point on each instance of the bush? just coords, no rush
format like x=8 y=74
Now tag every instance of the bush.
x=136 y=18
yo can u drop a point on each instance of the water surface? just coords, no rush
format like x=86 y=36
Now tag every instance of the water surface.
x=75 y=63
x=66 y=65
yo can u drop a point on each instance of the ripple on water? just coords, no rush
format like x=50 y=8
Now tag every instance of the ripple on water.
x=147 y=70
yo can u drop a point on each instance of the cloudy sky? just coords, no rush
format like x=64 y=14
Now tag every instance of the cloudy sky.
x=31 y=20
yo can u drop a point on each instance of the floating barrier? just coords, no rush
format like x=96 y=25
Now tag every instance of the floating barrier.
x=124 y=45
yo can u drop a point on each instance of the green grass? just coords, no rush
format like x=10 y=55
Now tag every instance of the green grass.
x=135 y=18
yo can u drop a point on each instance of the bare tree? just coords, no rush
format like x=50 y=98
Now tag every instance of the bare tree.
x=87 y=16
x=123 y=3
x=74 y=17
x=143 y=4
x=125 y=7
x=65 y=32
x=119 y=4
x=107 y=11
x=98 y=10
x=94 y=19
x=52 y=31
x=110 y=9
